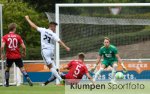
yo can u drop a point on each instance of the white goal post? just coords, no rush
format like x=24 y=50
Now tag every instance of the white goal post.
x=1 y=30
x=57 y=16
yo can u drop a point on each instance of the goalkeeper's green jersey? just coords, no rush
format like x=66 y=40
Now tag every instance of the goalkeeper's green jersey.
x=108 y=53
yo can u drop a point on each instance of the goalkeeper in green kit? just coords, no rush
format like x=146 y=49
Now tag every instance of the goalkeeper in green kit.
x=110 y=56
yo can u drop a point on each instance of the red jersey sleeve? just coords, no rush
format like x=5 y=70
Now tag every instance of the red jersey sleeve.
x=4 y=39
x=20 y=40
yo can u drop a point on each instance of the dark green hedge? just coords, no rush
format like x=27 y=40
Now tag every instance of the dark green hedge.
x=93 y=43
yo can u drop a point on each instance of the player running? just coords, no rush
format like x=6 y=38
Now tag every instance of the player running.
x=13 y=42
x=77 y=69
x=110 y=58
x=48 y=39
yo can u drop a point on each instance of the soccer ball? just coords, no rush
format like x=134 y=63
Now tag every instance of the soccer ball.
x=119 y=75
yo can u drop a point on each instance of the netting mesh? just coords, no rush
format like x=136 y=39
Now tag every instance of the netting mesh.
x=84 y=28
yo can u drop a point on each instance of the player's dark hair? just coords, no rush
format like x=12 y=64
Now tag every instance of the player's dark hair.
x=12 y=26
x=53 y=23
x=106 y=38
x=81 y=56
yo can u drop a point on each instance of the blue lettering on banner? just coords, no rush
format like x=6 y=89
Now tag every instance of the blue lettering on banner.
x=106 y=75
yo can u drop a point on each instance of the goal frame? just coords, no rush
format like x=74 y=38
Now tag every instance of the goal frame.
x=58 y=6
x=1 y=30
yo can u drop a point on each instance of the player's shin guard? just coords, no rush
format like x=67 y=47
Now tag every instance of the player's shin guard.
x=98 y=73
x=55 y=73
x=7 y=77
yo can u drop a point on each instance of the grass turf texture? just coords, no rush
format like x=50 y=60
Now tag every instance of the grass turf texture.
x=53 y=89
x=36 y=89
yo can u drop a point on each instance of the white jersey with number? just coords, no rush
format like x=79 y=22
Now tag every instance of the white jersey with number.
x=48 y=38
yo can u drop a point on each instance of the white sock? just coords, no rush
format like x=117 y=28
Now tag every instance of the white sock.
x=55 y=73
x=97 y=73
x=113 y=72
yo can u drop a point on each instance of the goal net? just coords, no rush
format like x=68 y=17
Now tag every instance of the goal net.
x=83 y=27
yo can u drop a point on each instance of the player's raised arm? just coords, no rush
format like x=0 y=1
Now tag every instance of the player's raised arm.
x=31 y=23
x=64 y=45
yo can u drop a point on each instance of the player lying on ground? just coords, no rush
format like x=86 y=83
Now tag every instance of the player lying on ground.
x=48 y=39
x=13 y=42
x=77 y=69
x=110 y=58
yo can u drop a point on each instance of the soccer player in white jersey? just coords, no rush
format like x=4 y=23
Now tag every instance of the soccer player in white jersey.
x=48 y=39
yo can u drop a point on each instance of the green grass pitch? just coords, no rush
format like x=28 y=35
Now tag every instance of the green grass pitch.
x=53 y=89
x=36 y=89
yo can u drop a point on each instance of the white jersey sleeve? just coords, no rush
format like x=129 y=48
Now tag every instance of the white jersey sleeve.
x=40 y=29
x=55 y=37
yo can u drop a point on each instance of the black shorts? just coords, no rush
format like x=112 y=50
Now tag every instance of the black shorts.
x=18 y=62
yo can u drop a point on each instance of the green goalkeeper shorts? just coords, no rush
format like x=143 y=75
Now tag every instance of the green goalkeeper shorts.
x=109 y=63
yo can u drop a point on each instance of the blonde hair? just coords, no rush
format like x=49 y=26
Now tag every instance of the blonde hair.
x=106 y=38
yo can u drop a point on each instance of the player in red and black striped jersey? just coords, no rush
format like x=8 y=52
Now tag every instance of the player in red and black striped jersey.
x=13 y=42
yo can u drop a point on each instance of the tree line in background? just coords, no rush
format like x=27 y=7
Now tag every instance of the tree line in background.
x=49 y=5
x=15 y=10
